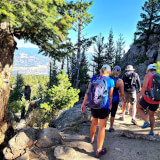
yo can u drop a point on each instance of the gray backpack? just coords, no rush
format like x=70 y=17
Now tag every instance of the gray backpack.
x=154 y=92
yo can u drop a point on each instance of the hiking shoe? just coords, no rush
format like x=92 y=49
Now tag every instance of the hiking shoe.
x=101 y=152
x=151 y=133
x=122 y=118
x=145 y=125
x=111 y=129
x=134 y=121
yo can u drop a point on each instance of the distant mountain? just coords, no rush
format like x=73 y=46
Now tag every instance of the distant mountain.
x=28 y=61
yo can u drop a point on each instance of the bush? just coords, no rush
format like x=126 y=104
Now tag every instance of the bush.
x=158 y=67
x=16 y=106
x=61 y=96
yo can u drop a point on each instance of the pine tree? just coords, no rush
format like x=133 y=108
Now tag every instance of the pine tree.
x=44 y=23
x=72 y=60
x=150 y=18
x=110 y=50
x=84 y=70
x=98 y=57
x=53 y=73
x=119 y=51
x=17 y=92
x=83 y=19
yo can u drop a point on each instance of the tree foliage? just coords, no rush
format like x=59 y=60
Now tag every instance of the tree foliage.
x=119 y=50
x=110 y=49
x=98 y=57
x=158 y=67
x=42 y=22
x=150 y=17
x=17 y=92
x=61 y=96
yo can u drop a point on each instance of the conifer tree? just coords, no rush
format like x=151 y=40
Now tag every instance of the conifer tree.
x=150 y=18
x=53 y=73
x=110 y=50
x=84 y=70
x=83 y=19
x=119 y=51
x=17 y=92
x=98 y=57
x=72 y=65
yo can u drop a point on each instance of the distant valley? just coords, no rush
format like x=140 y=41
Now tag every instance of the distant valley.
x=27 y=61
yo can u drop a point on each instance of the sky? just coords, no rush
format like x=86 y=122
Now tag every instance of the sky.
x=119 y=15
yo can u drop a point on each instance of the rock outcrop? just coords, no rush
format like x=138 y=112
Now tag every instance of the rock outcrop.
x=32 y=143
x=139 y=56
x=70 y=118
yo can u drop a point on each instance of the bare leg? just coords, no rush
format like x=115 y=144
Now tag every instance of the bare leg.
x=134 y=111
x=111 y=121
x=152 y=119
x=141 y=112
x=93 y=127
x=128 y=107
x=123 y=109
x=101 y=133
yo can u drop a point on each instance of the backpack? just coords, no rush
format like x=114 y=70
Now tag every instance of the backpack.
x=129 y=80
x=154 y=92
x=98 y=94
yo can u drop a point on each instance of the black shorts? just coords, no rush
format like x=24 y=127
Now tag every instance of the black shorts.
x=145 y=105
x=100 y=113
x=114 y=108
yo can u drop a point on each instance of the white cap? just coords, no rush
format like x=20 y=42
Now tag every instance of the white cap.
x=151 y=66
x=107 y=67
x=130 y=68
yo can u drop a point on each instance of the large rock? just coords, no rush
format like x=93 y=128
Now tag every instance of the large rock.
x=70 y=118
x=49 y=137
x=3 y=128
x=18 y=144
x=140 y=57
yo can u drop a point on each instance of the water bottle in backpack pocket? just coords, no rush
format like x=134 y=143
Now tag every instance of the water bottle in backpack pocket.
x=98 y=94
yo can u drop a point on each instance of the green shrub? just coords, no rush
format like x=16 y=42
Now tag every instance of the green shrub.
x=61 y=96
x=16 y=106
x=158 y=67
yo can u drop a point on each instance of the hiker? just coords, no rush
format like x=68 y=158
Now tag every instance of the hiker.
x=131 y=83
x=101 y=113
x=149 y=97
x=118 y=91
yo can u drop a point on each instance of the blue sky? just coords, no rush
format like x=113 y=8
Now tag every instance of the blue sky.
x=120 y=15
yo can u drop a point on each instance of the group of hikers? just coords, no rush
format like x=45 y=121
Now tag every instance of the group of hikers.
x=106 y=90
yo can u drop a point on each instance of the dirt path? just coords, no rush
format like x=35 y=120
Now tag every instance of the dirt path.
x=119 y=147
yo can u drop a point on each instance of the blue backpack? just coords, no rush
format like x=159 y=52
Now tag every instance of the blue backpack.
x=98 y=95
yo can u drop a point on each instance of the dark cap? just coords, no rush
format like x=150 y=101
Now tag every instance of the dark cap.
x=118 y=68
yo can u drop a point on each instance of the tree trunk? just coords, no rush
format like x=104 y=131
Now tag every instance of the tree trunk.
x=7 y=48
x=78 y=56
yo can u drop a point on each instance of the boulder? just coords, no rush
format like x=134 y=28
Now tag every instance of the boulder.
x=70 y=118
x=18 y=144
x=48 y=137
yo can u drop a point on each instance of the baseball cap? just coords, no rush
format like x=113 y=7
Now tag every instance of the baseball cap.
x=118 y=68
x=151 y=66
x=107 y=67
x=130 y=68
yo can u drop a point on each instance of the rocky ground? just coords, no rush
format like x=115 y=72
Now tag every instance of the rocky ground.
x=70 y=141
x=128 y=142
